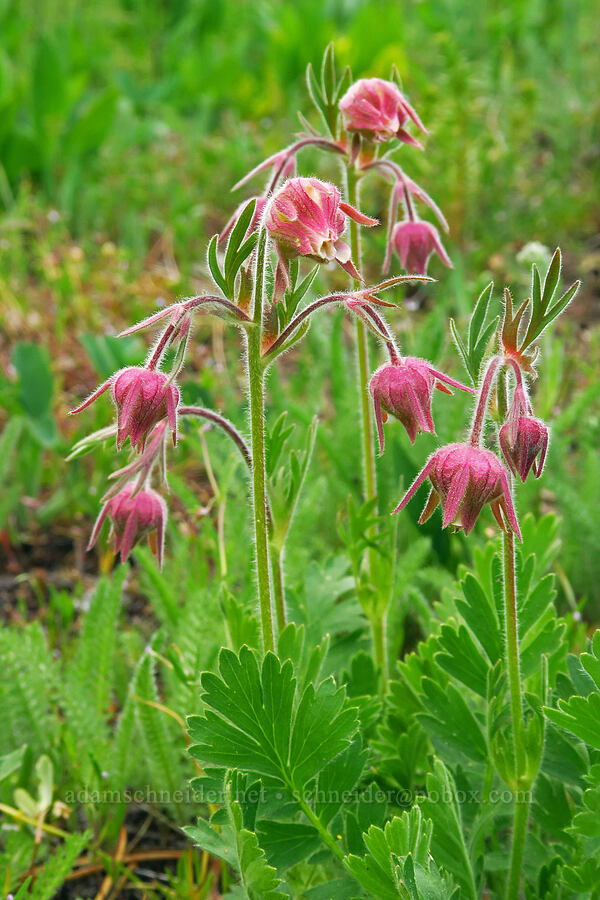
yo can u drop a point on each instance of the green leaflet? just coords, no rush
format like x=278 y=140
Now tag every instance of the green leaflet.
x=398 y=861
x=58 y=867
x=581 y=715
x=10 y=762
x=287 y=843
x=87 y=687
x=155 y=729
x=447 y=842
x=479 y=334
x=26 y=690
x=462 y=658
x=450 y=723
x=252 y=722
x=239 y=847
x=339 y=776
x=479 y=612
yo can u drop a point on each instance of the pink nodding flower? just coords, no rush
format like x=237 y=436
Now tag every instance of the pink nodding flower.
x=378 y=110
x=404 y=389
x=414 y=242
x=306 y=218
x=464 y=478
x=133 y=515
x=143 y=397
x=524 y=438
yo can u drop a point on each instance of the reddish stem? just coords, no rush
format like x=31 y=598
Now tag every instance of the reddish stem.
x=483 y=400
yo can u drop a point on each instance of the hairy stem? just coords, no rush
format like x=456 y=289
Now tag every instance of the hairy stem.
x=278 y=589
x=379 y=632
x=368 y=443
x=483 y=400
x=227 y=426
x=315 y=821
x=516 y=706
x=518 y=845
x=220 y=501
x=256 y=390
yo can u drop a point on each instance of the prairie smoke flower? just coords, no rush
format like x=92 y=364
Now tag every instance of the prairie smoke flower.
x=404 y=389
x=414 y=242
x=306 y=218
x=133 y=515
x=524 y=438
x=378 y=110
x=143 y=397
x=464 y=478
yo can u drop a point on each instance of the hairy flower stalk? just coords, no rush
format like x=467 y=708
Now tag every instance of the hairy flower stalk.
x=256 y=390
x=522 y=780
x=378 y=615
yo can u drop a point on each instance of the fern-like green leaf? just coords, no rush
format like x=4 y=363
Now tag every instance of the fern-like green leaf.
x=58 y=867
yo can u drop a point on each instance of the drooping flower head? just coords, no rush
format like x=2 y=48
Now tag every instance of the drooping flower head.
x=464 y=479
x=524 y=438
x=306 y=217
x=404 y=389
x=142 y=397
x=414 y=242
x=134 y=515
x=378 y=110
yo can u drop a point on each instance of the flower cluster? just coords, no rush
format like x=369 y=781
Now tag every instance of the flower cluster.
x=378 y=111
x=146 y=403
x=465 y=476
x=305 y=217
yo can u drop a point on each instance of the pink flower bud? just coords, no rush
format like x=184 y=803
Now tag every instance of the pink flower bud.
x=524 y=438
x=143 y=397
x=133 y=516
x=464 y=478
x=377 y=109
x=404 y=389
x=306 y=218
x=414 y=242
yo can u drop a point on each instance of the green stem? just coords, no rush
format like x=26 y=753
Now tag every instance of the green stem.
x=518 y=846
x=369 y=473
x=277 y=573
x=379 y=630
x=368 y=443
x=512 y=650
x=521 y=813
x=256 y=385
x=314 y=820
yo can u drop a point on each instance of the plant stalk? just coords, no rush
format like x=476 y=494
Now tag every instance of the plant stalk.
x=516 y=704
x=256 y=390
x=278 y=589
x=518 y=846
x=379 y=632
x=377 y=619
x=483 y=400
